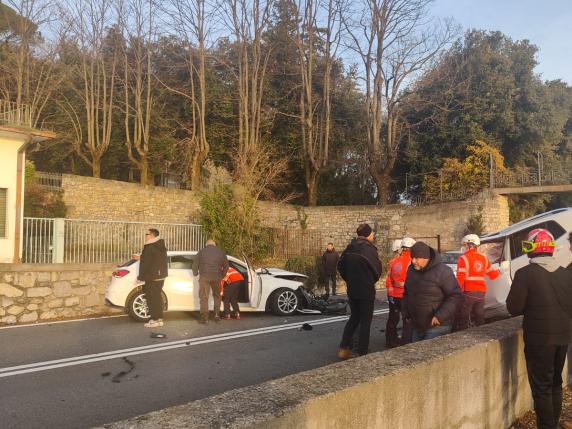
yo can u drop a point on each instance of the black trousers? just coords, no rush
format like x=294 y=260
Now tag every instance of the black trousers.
x=152 y=290
x=471 y=310
x=330 y=279
x=230 y=297
x=544 y=366
x=391 y=337
x=362 y=313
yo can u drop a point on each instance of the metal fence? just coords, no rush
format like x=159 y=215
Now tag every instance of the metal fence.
x=89 y=241
x=48 y=180
x=296 y=242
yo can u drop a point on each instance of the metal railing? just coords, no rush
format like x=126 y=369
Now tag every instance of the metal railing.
x=529 y=177
x=48 y=180
x=296 y=242
x=90 y=241
x=12 y=114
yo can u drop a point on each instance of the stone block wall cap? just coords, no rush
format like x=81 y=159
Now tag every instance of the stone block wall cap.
x=55 y=267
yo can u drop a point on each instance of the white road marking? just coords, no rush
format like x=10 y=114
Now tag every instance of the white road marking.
x=97 y=357
x=56 y=322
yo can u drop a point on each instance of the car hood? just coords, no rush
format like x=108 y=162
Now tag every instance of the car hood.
x=278 y=272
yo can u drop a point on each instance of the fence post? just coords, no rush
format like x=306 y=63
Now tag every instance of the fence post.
x=58 y=241
x=439 y=243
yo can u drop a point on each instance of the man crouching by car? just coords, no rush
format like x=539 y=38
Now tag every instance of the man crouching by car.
x=360 y=267
x=431 y=294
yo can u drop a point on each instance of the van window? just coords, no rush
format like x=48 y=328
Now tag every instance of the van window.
x=517 y=238
x=181 y=262
x=493 y=250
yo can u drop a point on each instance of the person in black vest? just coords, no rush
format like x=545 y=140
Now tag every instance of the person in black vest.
x=330 y=260
x=541 y=292
x=360 y=267
x=431 y=294
x=153 y=270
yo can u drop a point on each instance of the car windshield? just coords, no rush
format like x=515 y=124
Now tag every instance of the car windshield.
x=450 y=257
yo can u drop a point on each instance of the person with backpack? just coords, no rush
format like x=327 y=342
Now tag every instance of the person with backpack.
x=542 y=292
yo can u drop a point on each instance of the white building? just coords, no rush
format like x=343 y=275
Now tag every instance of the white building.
x=16 y=135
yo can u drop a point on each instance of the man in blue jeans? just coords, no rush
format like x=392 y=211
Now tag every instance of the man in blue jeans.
x=431 y=294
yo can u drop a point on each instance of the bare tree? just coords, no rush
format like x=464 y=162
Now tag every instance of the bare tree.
x=315 y=110
x=28 y=74
x=137 y=23
x=191 y=21
x=248 y=19
x=396 y=40
x=92 y=78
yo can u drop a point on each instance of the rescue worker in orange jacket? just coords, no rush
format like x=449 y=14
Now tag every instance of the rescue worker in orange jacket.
x=231 y=285
x=395 y=281
x=472 y=267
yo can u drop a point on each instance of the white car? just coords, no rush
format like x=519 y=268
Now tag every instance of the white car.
x=450 y=259
x=265 y=289
x=504 y=250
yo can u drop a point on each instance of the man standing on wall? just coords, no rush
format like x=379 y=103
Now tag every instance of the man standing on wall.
x=211 y=265
x=153 y=270
x=541 y=291
x=431 y=294
x=330 y=260
x=360 y=267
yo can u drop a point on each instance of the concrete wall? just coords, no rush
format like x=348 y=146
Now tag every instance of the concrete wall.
x=89 y=198
x=30 y=293
x=472 y=379
x=9 y=145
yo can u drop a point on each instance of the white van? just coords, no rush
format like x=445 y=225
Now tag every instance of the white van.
x=504 y=249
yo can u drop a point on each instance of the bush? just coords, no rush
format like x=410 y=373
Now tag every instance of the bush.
x=39 y=202
x=308 y=265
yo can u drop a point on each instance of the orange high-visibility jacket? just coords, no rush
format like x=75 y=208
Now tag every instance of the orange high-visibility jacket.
x=388 y=282
x=398 y=273
x=472 y=267
x=232 y=276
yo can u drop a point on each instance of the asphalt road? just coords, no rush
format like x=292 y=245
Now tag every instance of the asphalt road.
x=80 y=374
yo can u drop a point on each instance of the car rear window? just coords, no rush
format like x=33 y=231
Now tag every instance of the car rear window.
x=517 y=238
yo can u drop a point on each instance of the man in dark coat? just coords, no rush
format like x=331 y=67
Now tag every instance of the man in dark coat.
x=570 y=240
x=330 y=260
x=153 y=270
x=360 y=267
x=211 y=265
x=541 y=291
x=431 y=294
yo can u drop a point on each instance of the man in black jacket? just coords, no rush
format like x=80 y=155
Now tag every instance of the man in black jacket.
x=153 y=269
x=360 y=267
x=541 y=292
x=330 y=260
x=211 y=265
x=431 y=294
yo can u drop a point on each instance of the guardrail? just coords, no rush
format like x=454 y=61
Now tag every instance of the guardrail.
x=48 y=180
x=92 y=241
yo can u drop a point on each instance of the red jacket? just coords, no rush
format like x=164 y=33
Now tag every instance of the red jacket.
x=397 y=274
x=231 y=276
x=472 y=267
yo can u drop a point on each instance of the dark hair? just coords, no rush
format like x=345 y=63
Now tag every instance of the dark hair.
x=330 y=243
x=154 y=231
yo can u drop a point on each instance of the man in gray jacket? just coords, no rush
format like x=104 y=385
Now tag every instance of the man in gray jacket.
x=211 y=265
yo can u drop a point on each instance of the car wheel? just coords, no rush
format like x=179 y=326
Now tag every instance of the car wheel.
x=137 y=306
x=284 y=302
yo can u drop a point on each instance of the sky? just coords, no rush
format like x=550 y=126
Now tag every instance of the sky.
x=547 y=24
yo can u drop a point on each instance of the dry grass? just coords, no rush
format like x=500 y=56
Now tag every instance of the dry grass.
x=528 y=421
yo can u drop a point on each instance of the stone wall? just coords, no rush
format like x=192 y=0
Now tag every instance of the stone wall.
x=32 y=293
x=89 y=198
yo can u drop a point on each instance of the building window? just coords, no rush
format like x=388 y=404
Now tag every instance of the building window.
x=3 y=212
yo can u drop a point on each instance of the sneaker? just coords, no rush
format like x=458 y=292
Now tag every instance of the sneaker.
x=344 y=353
x=154 y=323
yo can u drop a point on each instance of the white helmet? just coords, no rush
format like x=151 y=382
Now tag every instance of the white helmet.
x=407 y=242
x=396 y=245
x=472 y=239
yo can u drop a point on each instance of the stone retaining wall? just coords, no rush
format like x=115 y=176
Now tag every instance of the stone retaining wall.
x=31 y=293
x=475 y=379
x=89 y=198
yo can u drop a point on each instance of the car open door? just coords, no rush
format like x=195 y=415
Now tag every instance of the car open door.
x=180 y=287
x=254 y=284
x=497 y=289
